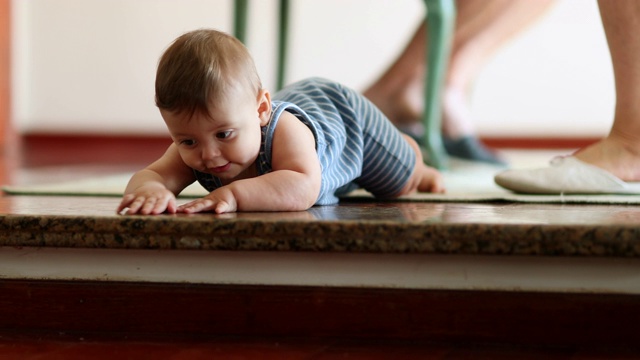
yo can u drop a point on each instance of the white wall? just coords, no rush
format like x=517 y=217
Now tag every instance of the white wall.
x=88 y=66
x=555 y=80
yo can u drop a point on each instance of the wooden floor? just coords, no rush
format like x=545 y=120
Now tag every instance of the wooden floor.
x=144 y=326
x=61 y=345
x=283 y=349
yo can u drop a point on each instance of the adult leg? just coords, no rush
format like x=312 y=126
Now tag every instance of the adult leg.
x=398 y=91
x=482 y=26
x=619 y=152
x=476 y=42
x=485 y=26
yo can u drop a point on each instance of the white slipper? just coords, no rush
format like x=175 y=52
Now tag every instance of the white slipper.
x=566 y=175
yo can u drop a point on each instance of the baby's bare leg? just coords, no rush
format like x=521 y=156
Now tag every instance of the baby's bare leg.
x=424 y=178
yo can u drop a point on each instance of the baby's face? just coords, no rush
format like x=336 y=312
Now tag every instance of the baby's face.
x=224 y=143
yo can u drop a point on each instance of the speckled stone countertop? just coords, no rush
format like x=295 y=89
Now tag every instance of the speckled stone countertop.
x=358 y=227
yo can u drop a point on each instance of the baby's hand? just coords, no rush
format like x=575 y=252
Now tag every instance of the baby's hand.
x=219 y=201
x=148 y=199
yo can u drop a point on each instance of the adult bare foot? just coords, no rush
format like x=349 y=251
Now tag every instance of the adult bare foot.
x=403 y=105
x=458 y=130
x=616 y=154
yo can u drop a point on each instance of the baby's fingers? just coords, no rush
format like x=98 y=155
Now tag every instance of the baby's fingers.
x=146 y=205
x=197 y=206
x=125 y=202
x=171 y=206
x=223 y=207
x=155 y=205
x=134 y=204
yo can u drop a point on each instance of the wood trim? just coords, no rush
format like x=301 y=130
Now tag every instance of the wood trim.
x=5 y=79
x=93 y=309
x=65 y=149
x=8 y=139
x=70 y=149
x=538 y=143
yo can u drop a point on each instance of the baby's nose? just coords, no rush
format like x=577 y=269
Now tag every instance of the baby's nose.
x=210 y=152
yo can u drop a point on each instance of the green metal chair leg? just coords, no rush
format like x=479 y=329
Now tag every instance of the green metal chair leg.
x=240 y=31
x=283 y=43
x=441 y=16
x=240 y=19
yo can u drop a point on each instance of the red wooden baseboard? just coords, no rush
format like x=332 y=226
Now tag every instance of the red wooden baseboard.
x=65 y=149
x=538 y=143
x=186 y=311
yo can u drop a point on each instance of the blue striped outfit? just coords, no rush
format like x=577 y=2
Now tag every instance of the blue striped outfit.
x=357 y=145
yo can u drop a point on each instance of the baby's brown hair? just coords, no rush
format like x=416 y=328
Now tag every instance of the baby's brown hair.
x=198 y=69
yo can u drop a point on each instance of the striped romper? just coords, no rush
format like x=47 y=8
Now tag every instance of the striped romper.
x=357 y=145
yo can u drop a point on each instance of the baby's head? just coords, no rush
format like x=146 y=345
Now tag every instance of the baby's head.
x=210 y=97
x=200 y=69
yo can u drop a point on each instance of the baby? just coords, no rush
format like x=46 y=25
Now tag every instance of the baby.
x=313 y=142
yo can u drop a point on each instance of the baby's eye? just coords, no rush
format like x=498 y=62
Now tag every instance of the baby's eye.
x=187 y=142
x=223 y=134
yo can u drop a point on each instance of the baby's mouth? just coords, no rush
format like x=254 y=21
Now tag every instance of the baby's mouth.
x=220 y=169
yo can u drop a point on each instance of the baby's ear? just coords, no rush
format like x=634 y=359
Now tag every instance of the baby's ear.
x=264 y=106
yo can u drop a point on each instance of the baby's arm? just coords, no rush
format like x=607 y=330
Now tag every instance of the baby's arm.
x=152 y=190
x=293 y=185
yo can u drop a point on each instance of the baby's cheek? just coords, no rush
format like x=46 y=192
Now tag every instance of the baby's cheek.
x=191 y=160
